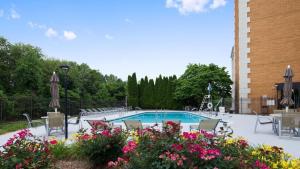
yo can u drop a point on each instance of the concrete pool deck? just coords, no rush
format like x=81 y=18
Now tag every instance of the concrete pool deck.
x=242 y=125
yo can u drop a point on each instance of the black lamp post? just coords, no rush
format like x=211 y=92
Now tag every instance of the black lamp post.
x=65 y=68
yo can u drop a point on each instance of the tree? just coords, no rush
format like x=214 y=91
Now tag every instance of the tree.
x=132 y=91
x=28 y=71
x=192 y=85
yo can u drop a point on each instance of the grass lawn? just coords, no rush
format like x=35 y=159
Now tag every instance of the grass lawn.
x=6 y=127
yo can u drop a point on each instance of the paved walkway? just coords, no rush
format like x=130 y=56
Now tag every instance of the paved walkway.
x=243 y=125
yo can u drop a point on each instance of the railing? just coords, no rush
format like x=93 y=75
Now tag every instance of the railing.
x=11 y=108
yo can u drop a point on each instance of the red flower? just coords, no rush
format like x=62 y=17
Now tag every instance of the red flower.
x=19 y=166
x=131 y=145
x=106 y=133
x=171 y=123
x=177 y=147
x=53 y=142
x=190 y=136
x=85 y=137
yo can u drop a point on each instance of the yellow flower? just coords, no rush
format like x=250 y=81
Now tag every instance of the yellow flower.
x=230 y=141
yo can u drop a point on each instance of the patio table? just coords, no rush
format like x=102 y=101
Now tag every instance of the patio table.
x=277 y=118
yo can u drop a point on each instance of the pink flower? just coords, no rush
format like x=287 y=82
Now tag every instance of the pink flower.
x=131 y=145
x=261 y=165
x=112 y=164
x=243 y=143
x=117 y=130
x=173 y=157
x=179 y=162
x=106 y=133
x=206 y=134
x=85 y=137
x=189 y=136
x=177 y=147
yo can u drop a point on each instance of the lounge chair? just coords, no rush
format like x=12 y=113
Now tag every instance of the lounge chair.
x=133 y=124
x=263 y=120
x=55 y=122
x=102 y=124
x=31 y=123
x=207 y=125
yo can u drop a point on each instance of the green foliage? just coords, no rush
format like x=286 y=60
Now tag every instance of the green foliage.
x=192 y=85
x=102 y=146
x=132 y=88
x=25 y=151
x=25 y=73
x=63 y=151
x=154 y=95
x=6 y=127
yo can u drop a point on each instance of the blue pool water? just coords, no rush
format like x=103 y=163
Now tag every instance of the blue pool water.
x=158 y=117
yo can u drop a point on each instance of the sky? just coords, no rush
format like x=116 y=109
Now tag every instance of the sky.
x=149 y=37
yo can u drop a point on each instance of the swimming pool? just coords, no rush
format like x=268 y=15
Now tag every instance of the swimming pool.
x=158 y=117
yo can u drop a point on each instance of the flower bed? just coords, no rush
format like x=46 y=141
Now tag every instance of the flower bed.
x=146 y=149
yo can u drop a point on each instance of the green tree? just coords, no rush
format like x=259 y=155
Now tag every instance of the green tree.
x=132 y=91
x=28 y=71
x=192 y=85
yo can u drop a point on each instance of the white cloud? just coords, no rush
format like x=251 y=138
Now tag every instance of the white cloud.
x=1 y=13
x=127 y=20
x=217 y=4
x=196 y=6
x=51 y=33
x=36 y=25
x=69 y=35
x=108 y=37
x=14 y=14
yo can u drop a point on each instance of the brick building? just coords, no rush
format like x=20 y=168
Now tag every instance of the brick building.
x=267 y=40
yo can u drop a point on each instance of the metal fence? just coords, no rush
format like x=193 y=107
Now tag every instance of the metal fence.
x=12 y=108
x=262 y=105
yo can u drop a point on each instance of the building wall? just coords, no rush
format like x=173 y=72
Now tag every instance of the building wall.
x=243 y=52
x=235 y=59
x=274 y=42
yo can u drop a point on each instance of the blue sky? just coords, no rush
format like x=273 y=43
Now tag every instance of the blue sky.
x=149 y=37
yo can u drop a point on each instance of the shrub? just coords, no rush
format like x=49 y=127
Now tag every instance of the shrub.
x=25 y=151
x=102 y=146
x=153 y=149
x=62 y=151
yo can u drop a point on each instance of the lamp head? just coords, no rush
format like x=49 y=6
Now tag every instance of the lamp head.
x=64 y=67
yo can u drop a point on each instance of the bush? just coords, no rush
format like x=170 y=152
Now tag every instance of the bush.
x=153 y=149
x=102 y=146
x=25 y=151
x=62 y=151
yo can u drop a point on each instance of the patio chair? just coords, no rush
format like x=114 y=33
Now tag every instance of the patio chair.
x=77 y=120
x=31 y=123
x=133 y=124
x=55 y=122
x=263 y=120
x=289 y=123
x=207 y=125
x=98 y=124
